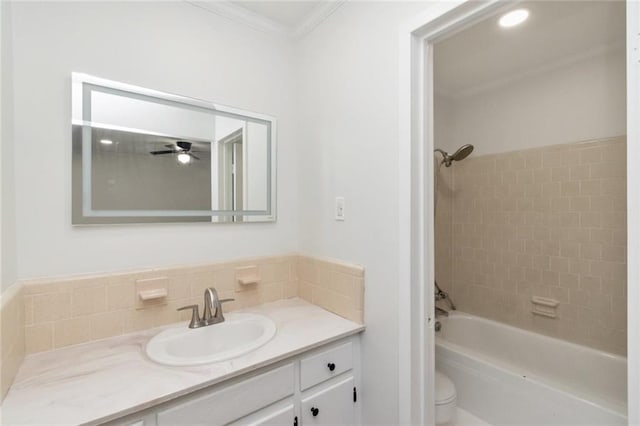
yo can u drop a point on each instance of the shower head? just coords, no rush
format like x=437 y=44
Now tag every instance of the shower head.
x=462 y=153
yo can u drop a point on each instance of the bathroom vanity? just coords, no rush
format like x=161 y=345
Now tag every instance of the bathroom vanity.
x=318 y=387
x=308 y=374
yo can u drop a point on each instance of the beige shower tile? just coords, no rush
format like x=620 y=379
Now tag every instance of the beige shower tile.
x=580 y=204
x=580 y=172
x=591 y=251
x=570 y=188
x=579 y=266
x=569 y=249
x=614 y=186
x=560 y=174
x=590 y=219
x=608 y=170
x=591 y=155
x=559 y=264
x=603 y=236
x=614 y=253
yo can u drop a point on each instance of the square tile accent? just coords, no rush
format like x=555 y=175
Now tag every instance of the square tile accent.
x=65 y=312
x=547 y=222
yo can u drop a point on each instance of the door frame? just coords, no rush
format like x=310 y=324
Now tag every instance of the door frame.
x=416 y=360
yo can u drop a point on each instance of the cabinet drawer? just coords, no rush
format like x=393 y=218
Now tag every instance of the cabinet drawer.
x=331 y=406
x=280 y=414
x=232 y=402
x=325 y=365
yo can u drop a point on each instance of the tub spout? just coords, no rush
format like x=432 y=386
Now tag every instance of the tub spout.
x=440 y=311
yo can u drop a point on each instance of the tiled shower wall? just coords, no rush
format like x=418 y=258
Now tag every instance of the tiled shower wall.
x=547 y=222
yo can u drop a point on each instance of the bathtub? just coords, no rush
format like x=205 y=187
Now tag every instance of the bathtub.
x=508 y=376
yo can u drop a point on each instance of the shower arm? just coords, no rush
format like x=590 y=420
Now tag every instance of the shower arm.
x=444 y=154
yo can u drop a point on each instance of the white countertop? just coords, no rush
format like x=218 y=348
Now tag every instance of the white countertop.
x=106 y=379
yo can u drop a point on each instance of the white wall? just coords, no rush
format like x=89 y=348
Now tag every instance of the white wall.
x=171 y=47
x=348 y=126
x=7 y=189
x=578 y=101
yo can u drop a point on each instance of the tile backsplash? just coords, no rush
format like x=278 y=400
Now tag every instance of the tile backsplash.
x=12 y=343
x=64 y=312
x=547 y=222
x=335 y=286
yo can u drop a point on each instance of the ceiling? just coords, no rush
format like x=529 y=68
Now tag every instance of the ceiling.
x=485 y=55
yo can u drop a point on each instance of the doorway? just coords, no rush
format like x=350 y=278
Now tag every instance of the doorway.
x=416 y=197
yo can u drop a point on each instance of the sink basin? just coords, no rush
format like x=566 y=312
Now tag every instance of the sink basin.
x=236 y=336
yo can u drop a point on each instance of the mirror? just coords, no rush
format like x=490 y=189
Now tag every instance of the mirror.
x=143 y=156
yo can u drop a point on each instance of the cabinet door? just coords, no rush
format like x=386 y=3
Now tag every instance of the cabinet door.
x=278 y=415
x=228 y=403
x=331 y=405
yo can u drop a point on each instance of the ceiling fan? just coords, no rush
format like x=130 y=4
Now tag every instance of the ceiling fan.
x=182 y=148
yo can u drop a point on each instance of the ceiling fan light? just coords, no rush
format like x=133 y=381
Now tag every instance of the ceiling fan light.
x=184 y=158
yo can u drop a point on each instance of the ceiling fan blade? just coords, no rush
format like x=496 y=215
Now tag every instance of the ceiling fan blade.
x=161 y=152
x=197 y=158
x=184 y=145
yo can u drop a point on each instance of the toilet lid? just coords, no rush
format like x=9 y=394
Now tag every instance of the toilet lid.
x=445 y=390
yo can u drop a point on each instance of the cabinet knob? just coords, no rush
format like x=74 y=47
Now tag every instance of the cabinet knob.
x=314 y=411
x=331 y=366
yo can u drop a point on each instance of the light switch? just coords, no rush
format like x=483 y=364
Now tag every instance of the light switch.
x=339 y=208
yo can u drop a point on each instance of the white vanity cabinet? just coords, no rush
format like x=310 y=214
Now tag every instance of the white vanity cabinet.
x=317 y=387
x=332 y=405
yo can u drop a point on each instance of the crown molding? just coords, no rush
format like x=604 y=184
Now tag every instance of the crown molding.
x=314 y=18
x=229 y=10
x=596 y=51
x=239 y=14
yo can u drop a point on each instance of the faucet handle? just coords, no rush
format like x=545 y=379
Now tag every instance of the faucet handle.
x=226 y=300
x=195 y=315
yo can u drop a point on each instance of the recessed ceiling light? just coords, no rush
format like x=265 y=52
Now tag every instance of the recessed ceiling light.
x=106 y=141
x=513 y=18
x=184 y=158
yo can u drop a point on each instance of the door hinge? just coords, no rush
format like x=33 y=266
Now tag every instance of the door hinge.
x=295 y=421
x=355 y=394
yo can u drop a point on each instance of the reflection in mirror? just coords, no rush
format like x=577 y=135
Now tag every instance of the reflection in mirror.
x=145 y=156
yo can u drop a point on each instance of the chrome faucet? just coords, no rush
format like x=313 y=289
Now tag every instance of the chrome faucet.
x=212 y=301
x=212 y=310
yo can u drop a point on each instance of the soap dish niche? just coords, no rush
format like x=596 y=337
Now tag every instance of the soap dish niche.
x=247 y=277
x=151 y=292
x=544 y=307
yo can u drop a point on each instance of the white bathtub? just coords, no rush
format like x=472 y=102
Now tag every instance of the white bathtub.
x=509 y=376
